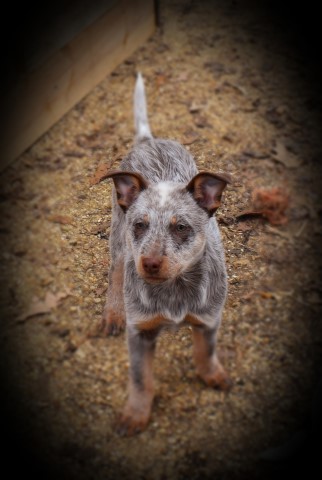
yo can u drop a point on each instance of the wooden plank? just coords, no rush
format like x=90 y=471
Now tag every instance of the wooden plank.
x=46 y=94
x=59 y=22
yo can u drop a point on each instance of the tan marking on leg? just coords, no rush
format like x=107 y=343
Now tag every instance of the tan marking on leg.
x=208 y=366
x=113 y=318
x=137 y=411
x=152 y=324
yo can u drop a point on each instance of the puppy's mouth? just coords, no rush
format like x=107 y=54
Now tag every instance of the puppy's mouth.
x=154 y=280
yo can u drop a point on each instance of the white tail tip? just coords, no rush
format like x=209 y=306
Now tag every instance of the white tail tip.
x=141 y=122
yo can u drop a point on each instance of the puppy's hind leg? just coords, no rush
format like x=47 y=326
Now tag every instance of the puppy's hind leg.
x=113 y=318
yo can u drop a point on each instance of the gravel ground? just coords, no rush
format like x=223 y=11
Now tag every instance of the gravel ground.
x=223 y=82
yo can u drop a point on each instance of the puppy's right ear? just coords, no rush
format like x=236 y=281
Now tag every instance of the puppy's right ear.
x=128 y=186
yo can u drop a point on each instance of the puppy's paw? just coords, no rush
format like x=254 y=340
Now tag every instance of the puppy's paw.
x=219 y=379
x=112 y=322
x=221 y=382
x=131 y=423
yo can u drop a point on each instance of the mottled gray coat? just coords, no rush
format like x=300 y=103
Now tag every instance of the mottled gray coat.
x=200 y=287
x=167 y=260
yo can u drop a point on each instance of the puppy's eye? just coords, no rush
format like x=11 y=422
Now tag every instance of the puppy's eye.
x=140 y=225
x=180 y=233
x=181 y=228
x=140 y=228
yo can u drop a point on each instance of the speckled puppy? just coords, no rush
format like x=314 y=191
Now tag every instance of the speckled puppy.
x=167 y=263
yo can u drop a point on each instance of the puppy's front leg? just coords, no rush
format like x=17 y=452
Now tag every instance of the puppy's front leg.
x=137 y=410
x=208 y=366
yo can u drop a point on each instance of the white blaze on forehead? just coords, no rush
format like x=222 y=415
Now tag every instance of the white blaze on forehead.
x=164 y=189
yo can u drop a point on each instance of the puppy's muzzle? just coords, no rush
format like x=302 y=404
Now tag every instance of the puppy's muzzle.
x=154 y=268
x=152 y=265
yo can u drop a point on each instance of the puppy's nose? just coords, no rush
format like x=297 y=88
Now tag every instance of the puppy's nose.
x=152 y=265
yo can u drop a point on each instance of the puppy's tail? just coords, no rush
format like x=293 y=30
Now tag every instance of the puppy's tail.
x=141 y=121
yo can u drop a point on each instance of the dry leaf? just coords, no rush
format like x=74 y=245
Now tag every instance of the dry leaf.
x=104 y=168
x=272 y=203
x=160 y=79
x=182 y=77
x=219 y=69
x=201 y=121
x=268 y=203
x=284 y=156
x=100 y=174
x=246 y=297
x=62 y=219
x=195 y=108
x=36 y=308
x=247 y=214
x=280 y=233
x=265 y=295
x=245 y=227
x=39 y=307
x=190 y=137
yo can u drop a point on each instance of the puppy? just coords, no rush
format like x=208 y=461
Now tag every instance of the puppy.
x=167 y=260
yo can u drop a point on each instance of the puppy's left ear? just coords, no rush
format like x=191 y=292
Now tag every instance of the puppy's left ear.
x=207 y=188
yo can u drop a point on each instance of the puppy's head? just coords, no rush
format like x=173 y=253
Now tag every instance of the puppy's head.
x=167 y=222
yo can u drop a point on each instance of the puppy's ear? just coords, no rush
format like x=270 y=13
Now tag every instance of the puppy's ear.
x=128 y=186
x=207 y=188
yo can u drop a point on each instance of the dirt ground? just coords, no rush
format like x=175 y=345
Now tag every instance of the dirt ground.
x=221 y=80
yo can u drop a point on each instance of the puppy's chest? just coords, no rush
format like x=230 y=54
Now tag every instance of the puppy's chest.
x=175 y=301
